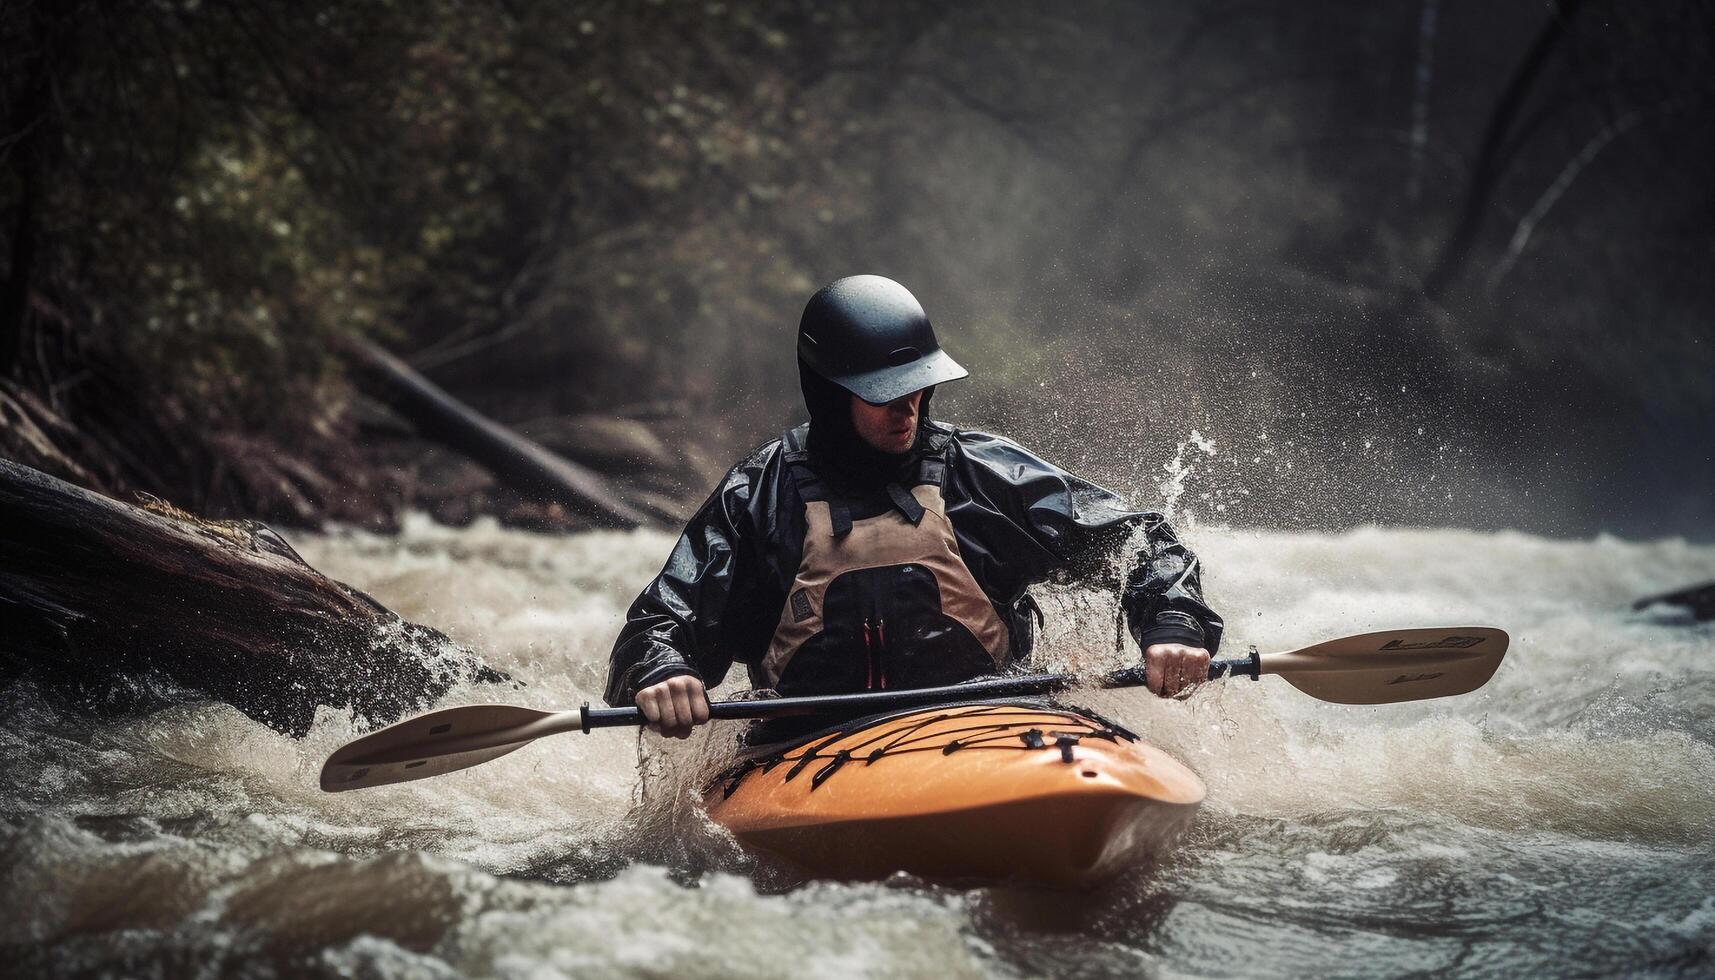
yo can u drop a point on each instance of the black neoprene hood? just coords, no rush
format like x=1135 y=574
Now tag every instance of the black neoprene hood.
x=870 y=336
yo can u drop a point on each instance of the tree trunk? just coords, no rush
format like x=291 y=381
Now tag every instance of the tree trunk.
x=25 y=128
x=1486 y=172
x=119 y=607
x=514 y=460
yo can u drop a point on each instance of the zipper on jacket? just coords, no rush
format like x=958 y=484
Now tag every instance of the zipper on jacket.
x=869 y=654
x=881 y=649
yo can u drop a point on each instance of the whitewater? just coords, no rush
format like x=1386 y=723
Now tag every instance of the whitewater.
x=1559 y=821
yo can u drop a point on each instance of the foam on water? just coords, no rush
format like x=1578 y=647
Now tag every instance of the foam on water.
x=1479 y=832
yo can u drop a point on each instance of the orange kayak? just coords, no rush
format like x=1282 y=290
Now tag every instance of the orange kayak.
x=960 y=793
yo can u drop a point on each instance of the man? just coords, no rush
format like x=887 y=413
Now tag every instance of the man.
x=875 y=548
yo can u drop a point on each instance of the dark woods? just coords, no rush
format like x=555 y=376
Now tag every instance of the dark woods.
x=1425 y=260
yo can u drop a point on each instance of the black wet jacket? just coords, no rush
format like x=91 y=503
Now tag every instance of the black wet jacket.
x=1019 y=520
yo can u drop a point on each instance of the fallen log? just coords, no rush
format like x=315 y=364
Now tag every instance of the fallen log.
x=1698 y=599
x=608 y=442
x=116 y=607
x=514 y=460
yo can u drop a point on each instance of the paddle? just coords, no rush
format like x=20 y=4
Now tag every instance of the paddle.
x=1369 y=668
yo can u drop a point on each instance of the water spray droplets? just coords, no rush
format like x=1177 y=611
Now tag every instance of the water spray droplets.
x=1179 y=470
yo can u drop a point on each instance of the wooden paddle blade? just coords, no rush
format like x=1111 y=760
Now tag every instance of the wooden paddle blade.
x=1394 y=665
x=438 y=742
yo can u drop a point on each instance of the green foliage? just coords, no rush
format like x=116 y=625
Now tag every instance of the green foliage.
x=247 y=182
x=1166 y=213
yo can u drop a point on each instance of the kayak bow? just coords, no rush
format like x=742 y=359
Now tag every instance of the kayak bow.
x=957 y=793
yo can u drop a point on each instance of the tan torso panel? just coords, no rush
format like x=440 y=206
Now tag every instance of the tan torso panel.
x=889 y=539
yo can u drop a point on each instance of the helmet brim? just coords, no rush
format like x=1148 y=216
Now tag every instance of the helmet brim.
x=885 y=384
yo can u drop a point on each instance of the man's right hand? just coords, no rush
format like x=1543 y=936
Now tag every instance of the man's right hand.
x=675 y=705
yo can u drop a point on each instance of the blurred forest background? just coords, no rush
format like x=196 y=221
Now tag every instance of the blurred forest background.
x=1317 y=264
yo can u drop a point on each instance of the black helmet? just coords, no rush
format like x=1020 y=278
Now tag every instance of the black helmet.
x=870 y=336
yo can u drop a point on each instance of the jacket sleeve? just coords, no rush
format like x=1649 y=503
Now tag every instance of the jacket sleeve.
x=676 y=624
x=1083 y=528
x=1163 y=598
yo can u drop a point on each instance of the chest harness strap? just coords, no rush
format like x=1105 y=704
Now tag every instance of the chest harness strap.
x=893 y=588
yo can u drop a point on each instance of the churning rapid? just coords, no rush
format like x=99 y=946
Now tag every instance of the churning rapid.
x=1558 y=821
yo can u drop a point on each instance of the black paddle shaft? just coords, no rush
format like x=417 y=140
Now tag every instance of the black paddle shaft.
x=871 y=701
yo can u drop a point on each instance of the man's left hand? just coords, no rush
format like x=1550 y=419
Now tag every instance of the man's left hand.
x=1170 y=668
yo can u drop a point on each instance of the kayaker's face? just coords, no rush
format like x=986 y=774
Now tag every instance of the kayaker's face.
x=892 y=427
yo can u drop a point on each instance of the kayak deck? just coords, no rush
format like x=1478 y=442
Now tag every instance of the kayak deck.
x=961 y=792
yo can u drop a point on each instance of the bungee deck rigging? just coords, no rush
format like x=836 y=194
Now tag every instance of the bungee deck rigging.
x=922 y=734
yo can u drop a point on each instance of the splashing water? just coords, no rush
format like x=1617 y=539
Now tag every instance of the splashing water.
x=1558 y=821
x=1180 y=470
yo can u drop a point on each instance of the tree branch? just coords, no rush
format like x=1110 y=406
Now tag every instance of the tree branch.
x=1485 y=174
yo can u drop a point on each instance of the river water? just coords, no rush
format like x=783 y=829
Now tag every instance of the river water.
x=1560 y=821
